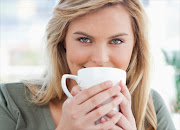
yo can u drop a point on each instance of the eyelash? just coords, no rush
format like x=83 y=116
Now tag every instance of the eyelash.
x=79 y=39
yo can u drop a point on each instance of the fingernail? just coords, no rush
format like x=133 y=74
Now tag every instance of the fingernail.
x=108 y=83
x=117 y=87
x=122 y=82
x=118 y=100
x=102 y=119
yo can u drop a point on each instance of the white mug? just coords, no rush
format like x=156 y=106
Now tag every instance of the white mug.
x=88 y=77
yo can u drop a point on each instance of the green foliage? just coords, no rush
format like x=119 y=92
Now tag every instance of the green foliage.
x=173 y=59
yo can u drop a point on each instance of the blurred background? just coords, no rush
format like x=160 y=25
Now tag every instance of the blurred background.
x=22 y=26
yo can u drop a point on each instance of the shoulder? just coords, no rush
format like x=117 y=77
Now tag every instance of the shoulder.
x=12 y=98
x=164 y=120
x=157 y=99
x=11 y=86
x=17 y=112
x=159 y=103
x=13 y=94
x=12 y=89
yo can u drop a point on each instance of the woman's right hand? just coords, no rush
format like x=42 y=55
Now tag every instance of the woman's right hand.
x=79 y=112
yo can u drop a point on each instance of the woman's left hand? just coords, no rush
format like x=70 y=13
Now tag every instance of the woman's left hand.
x=127 y=121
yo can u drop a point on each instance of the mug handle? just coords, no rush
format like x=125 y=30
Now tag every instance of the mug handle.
x=63 y=83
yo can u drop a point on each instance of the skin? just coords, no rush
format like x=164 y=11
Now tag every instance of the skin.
x=100 y=39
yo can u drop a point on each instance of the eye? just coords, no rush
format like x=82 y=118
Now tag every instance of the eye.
x=116 y=41
x=84 y=40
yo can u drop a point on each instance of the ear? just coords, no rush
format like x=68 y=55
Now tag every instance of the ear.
x=134 y=42
x=64 y=45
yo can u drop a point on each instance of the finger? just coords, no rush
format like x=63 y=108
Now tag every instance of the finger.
x=111 y=113
x=75 y=90
x=125 y=108
x=101 y=98
x=109 y=123
x=103 y=110
x=123 y=122
x=115 y=127
x=125 y=91
x=88 y=93
x=102 y=120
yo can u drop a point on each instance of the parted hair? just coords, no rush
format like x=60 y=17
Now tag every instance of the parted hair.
x=49 y=86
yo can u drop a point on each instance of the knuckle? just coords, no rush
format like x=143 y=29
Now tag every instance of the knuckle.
x=75 y=90
x=94 y=101
x=88 y=92
x=74 y=115
x=118 y=94
x=103 y=127
x=113 y=104
x=110 y=92
x=102 y=86
x=127 y=103
x=113 y=91
x=113 y=122
x=106 y=126
x=99 y=113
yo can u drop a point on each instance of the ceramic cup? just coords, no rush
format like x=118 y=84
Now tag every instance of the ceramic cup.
x=88 y=77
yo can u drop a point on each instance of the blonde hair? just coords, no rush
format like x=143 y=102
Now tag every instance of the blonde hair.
x=49 y=87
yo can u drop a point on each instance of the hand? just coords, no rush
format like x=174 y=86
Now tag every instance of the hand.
x=79 y=112
x=127 y=121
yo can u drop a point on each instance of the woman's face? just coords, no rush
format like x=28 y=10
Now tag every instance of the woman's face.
x=100 y=39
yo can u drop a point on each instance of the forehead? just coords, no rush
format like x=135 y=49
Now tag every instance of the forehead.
x=112 y=18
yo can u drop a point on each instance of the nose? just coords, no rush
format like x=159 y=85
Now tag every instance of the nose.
x=100 y=55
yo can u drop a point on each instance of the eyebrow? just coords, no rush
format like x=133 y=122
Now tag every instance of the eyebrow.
x=114 y=36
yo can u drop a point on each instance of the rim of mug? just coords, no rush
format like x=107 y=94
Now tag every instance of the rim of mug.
x=102 y=68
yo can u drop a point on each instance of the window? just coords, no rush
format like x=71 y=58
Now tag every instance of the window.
x=23 y=23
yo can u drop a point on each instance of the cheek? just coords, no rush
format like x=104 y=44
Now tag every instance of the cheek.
x=122 y=58
x=76 y=56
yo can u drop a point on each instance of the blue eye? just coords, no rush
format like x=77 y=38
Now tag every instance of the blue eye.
x=84 y=40
x=116 y=41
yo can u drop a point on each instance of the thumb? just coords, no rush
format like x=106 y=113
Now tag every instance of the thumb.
x=75 y=90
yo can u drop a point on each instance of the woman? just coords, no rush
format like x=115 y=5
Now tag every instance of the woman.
x=89 y=33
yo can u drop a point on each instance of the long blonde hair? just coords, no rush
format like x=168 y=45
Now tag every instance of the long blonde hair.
x=49 y=87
